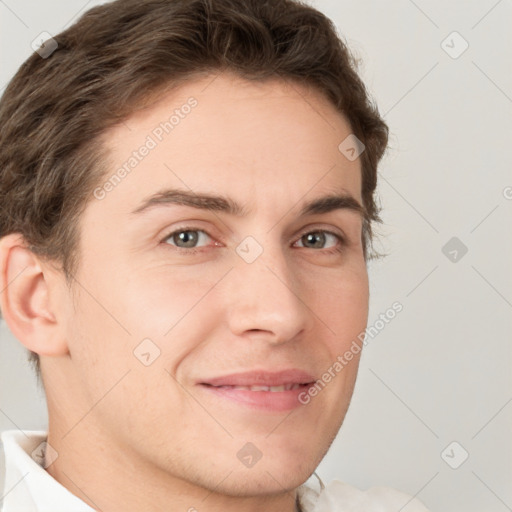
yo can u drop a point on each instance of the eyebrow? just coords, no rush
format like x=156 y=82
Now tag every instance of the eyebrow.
x=227 y=205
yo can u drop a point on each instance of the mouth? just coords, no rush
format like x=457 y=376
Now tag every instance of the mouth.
x=265 y=391
x=272 y=389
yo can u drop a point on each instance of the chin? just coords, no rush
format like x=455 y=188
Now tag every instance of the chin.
x=263 y=481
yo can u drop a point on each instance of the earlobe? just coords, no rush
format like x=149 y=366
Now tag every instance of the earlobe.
x=25 y=299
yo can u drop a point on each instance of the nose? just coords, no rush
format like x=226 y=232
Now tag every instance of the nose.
x=266 y=298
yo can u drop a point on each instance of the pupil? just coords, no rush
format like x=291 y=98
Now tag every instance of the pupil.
x=312 y=236
x=187 y=238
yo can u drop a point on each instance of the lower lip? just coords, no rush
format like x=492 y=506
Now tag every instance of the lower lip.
x=262 y=400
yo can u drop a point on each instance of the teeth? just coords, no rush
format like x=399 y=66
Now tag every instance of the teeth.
x=275 y=389
x=263 y=388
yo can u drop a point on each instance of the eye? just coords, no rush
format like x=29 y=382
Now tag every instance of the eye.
x=317 y=240
x=186 y=238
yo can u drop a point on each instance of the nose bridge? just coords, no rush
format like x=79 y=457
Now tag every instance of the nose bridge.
x=265 y=293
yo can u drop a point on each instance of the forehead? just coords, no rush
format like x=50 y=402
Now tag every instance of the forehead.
x=262 y=141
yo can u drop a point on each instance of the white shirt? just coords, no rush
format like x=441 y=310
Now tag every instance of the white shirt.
x=29 y=487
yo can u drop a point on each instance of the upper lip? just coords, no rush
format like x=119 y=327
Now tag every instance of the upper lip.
x=262 y=378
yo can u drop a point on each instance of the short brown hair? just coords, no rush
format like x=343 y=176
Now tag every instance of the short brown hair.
x=55 y=109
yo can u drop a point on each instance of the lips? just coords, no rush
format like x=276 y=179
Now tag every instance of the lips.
x=273 y=389
x=265 y=391
x=263 y=379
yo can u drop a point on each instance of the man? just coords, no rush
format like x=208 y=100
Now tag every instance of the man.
x=187 y=219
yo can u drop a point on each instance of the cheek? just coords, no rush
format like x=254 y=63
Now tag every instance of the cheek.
x=345 y=303
x=175 y=308
x=94 y=343
x=159 y=300
x=345 y=311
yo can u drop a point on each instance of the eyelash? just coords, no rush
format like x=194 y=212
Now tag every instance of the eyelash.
x=194 y=250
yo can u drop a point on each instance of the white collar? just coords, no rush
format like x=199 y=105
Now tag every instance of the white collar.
x=29 y=488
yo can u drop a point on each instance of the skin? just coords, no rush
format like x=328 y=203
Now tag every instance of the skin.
x=134 y=437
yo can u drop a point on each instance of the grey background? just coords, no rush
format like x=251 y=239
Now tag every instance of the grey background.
x=440 y=371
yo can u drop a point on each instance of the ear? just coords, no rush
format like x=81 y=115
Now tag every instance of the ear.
x=25 y=298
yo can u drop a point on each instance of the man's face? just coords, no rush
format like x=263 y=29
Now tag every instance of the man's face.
x=268 y=291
